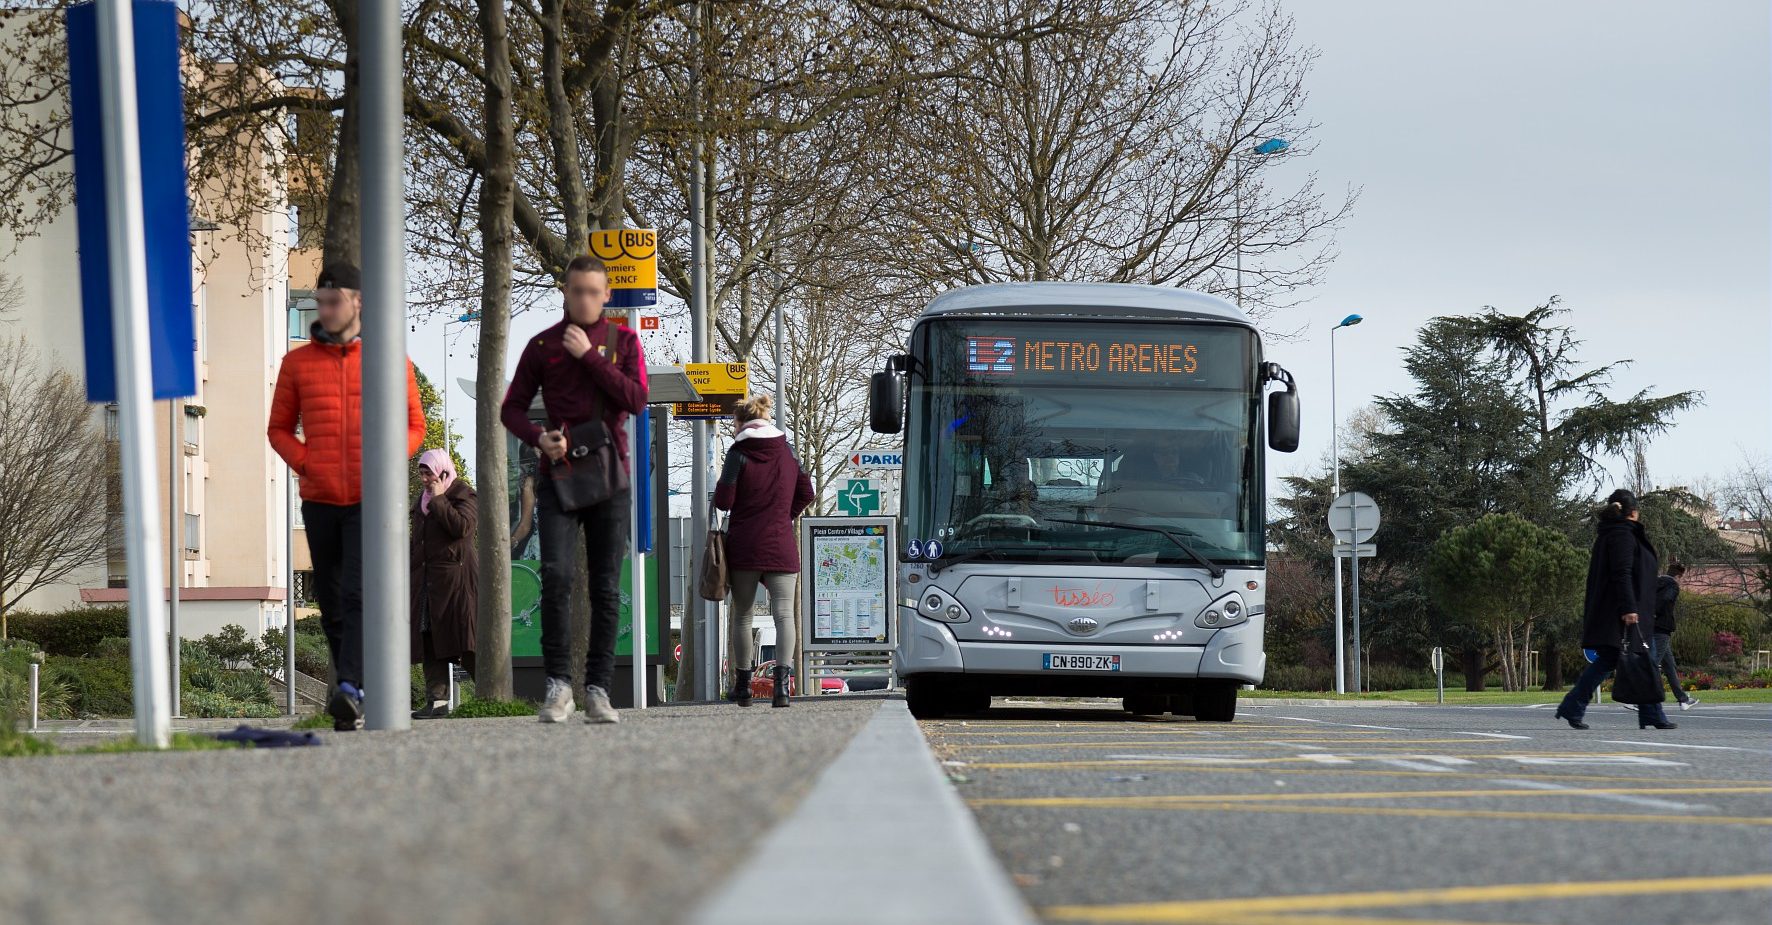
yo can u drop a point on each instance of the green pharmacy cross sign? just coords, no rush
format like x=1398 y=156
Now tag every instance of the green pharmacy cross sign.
x=859 y=498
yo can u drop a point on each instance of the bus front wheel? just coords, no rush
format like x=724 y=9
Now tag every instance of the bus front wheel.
x=927 y=697
x=1215 y=703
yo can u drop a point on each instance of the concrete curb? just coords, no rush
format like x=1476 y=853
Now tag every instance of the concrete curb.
x=927 y=861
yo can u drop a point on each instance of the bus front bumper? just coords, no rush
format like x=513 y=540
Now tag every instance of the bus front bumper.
x=1234 y=653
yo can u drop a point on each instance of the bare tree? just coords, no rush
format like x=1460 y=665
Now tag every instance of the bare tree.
x=52 y=484
x=1128 y=158
x=12 y=295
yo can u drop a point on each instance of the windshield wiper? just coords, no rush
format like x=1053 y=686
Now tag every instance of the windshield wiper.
x=1210 y=566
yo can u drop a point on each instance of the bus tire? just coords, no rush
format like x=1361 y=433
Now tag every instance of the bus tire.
x=1145 y=704
x=1215 y=703
x=973 y=701
x=927 y=697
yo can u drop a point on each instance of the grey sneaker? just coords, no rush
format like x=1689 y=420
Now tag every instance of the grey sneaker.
x=557 y=705
x=1688 y=703
x=597 y=708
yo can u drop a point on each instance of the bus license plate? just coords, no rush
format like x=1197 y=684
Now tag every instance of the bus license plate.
x=1081 y=662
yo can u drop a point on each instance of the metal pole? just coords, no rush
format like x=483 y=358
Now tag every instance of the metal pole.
x=175 y=562
x=699 y=613
x=1237 y=233
x=637 y=592
x=33 y=696
x=289 y=591
x=1354 y=563
x=386 y=642
x=1335 y=492
x=781 y=405
x=448 y=449
x=127 y=241
x=1440 y=673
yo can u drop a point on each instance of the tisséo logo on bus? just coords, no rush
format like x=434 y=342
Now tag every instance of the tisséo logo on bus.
x=990 y=355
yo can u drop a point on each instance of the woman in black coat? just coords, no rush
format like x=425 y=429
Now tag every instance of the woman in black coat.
x=1621 y=579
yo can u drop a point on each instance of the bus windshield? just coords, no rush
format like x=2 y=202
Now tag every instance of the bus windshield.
x=1021 y=429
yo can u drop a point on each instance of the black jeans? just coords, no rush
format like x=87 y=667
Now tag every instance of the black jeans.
x=1663 y=646
x=1605 y=662
x=335 y=543
x=605 y=529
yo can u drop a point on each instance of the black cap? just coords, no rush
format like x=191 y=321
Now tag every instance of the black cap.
x=340 y=276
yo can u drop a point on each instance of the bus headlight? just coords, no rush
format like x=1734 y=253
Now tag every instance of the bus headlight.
x=940 y=605
x=1226 y=611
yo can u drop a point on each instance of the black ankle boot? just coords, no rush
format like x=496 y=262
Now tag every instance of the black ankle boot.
x=741 y=687
x=782 y=673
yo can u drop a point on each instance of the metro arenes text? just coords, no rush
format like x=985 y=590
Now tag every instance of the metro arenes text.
x=1073 y=356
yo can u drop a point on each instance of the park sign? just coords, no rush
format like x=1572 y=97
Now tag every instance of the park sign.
x=877 y=460
x=631 y=257
x=721 y=385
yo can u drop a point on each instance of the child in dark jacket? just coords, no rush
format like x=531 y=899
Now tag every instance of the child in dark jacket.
x=764 y=487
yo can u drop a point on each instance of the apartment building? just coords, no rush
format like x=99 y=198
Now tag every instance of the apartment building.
x=231 y=529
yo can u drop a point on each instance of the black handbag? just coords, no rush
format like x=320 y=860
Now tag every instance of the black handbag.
x=591 y=471
x=1636 y=681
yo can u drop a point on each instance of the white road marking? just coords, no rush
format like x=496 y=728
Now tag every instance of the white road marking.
x=1491 y=735
x=1619 y=797
x=1718 y=748
x=1324 y=722
x=1413 y=765
x=1565 y=760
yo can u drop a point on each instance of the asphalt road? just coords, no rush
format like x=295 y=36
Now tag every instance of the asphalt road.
x=1347 y=815
x=458 y=821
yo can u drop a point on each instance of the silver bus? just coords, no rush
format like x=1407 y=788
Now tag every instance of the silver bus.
x=1083 y=497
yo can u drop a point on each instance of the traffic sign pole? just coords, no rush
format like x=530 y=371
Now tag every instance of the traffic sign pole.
x=129 y=318
x=1353 y=519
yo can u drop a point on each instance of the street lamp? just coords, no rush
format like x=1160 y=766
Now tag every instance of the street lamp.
x=1267 y=148
x=1335 y=492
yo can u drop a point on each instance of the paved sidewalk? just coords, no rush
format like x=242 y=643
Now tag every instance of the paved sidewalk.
x=459 y=821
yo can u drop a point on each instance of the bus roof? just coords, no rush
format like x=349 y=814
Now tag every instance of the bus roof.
x=1093 y=300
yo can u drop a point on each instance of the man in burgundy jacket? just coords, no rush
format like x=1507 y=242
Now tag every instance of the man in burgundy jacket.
x=584 y=363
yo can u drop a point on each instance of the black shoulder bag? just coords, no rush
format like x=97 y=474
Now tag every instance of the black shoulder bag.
x=591 y=472
x=1637 y=680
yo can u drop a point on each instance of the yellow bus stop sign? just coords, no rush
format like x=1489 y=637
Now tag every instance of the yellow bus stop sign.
x=631 y=254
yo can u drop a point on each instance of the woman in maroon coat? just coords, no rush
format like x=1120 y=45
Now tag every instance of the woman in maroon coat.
x=764 y=487
x=445 y=578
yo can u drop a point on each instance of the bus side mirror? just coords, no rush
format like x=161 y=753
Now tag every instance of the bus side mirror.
x=1282 y=420
x=886 y=402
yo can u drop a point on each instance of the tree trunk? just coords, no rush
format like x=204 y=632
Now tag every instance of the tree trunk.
x=1472 y=659
x=493 y=635
x=343 y=239
x=1553 y=667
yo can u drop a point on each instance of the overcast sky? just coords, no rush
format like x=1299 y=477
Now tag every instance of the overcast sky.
x=1613 y=153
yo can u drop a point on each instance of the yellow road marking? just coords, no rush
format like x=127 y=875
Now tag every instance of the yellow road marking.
x=1297 y=919
x=1216 y=910
x=1426 y=813
x=1182 y=767
x=1220 y=743
x=1159 y=801
x=1147 y=730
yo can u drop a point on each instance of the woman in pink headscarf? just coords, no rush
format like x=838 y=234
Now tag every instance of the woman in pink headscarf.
x=445 y=578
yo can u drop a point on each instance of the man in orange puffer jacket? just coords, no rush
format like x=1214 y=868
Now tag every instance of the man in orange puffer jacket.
x=320 y=388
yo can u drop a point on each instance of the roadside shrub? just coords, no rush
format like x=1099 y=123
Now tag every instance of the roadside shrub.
x=1726 y=645
x=76 y=631
x=1702 y=617
x=101 y=686
x=55 y=693
x=1382 y=677
x=1698 y=680
x=231 y=646
x=1298 y=678
x=476 y=709
x=312 y=658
